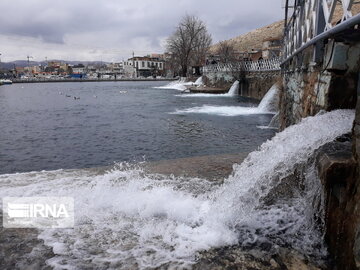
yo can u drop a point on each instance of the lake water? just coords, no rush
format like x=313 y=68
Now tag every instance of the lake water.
x=43 y=129
x=128 y=218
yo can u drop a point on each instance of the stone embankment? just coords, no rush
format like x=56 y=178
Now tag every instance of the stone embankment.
x=331 y=83
x=251 y=84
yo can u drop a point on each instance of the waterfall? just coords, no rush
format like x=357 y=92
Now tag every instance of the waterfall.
x=234 y=89
x=275 y=121
x=181 y=85
x=128 y=218
x=268 y=105
x=270 y=101
x=199 y=81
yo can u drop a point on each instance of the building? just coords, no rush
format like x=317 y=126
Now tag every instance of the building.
x=147 y=66
x=129 y=69
x=271 y=48
x=78 y=69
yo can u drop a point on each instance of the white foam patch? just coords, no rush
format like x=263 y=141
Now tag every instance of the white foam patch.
x=221 y=110
x=267 y=127
x=233 y=91
x=180 y=85
x=126 y=218
x=268 y=105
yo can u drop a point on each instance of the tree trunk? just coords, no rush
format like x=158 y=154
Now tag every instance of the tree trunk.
x=183 y=71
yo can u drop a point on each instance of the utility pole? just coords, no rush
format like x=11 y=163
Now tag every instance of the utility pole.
x=0 y=62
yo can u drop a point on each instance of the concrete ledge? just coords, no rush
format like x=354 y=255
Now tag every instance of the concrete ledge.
x=209 y=90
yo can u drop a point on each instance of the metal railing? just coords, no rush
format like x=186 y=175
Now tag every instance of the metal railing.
x=315 y=20
x=272 y=64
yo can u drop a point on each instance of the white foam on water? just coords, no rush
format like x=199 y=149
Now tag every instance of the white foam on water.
x=268 y=104
x=233 y=91
x=267 y=127
x=220 y=110
x=126 y=218
x=180 y=85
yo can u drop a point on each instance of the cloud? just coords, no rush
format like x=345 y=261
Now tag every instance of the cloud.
x=84 y=30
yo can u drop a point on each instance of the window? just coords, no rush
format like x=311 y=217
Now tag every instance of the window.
x=148 y=64
x=142 y=64
x=160 y=65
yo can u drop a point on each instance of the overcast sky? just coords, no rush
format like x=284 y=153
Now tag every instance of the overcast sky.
x=110 y=30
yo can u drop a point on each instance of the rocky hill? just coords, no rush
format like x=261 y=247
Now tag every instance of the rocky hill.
x=254 y=39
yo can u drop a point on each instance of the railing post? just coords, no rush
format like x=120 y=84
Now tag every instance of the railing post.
x=320 y=25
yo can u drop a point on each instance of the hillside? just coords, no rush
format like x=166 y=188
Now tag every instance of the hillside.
x=254 y=39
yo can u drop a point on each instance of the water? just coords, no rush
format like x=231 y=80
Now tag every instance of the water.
x=268 y=104
x=128 y=218
x=199 y=81
x=42 y=129
x=180 y=85
x=234 y=89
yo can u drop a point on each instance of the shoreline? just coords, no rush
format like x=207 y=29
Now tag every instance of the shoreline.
x=93 y=80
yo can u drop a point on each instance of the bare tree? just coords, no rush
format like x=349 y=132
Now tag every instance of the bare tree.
x=226 y=52
x=189 y=43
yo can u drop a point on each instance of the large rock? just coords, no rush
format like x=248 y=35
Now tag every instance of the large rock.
x=337 y=169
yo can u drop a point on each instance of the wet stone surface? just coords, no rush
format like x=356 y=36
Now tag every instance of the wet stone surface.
x=21 y=249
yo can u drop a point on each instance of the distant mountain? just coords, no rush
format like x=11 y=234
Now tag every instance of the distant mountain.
x=25 y=63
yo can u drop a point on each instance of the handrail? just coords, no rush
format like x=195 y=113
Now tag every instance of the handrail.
x=333 y=31
x=313 y=21
x=272 y=64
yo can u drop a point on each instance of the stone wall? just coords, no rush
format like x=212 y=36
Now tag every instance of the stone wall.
x=332 y=84
x=252 y=84
x=309 y=88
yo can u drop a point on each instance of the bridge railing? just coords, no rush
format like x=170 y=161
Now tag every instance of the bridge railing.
x=250 y=66
x=315 y=20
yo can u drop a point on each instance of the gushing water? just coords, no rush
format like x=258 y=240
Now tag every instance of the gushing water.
x=234 y=89
x=127 y=218
x=268 y=104
x=199 y=81
x=180 y=85
x=233 y=92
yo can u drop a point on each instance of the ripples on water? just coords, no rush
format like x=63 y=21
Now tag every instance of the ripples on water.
x=42 y=129
x=128 y=219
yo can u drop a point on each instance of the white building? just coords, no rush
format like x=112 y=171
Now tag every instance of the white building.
x=146 y=66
